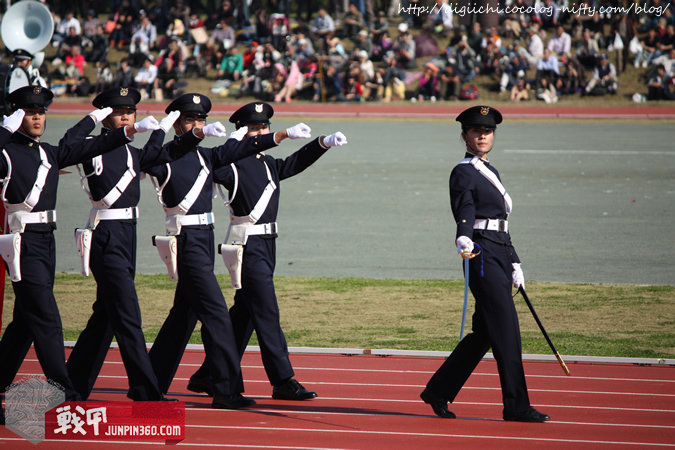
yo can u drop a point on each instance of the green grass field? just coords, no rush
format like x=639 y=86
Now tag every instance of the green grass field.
x=581 y=319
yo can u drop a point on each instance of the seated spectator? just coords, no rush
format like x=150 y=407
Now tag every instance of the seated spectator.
x=394 y=79
x=560 y=43
x=464 y=60
x=64 y=25
x=323 y=27
x=547 y=68
x=428 y=84
x=292 y=84
x=382 y=46
x=450 y=83
x=105 y=77
x=364 y=42
x=379 y=27
x=352 y=90
x=659 y=85
x=166 y=82
x=231 y=66
x=125 y=74
x=546 y=91
x=490 y=41
x=649 y=48
x=327 y=86
x=572 y=78
x=547 y=13
x=373 y=90
x=520 y=91
x=587 y=49
x=535 y=46
x=145 y=78
x=263 y=28
x=353 y=21
x=76 y=58
x=474 y=38
x=124 y=18
x=604 y=78
x=279 y=31
x=90 y=25
x=97 y=46
x=223 y=35
x=512 y=72
x=69 y=41
x=144 y=39
x=441 y=17
x=405 y=51
x=667 y=41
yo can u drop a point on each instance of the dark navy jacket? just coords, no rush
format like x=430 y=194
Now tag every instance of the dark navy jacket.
x=472 y=197
x=72 y=149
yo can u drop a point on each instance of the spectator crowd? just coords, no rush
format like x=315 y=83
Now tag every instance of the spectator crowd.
x=363 y=50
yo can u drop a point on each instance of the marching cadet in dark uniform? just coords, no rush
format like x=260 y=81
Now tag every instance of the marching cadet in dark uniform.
x=481 y=206
x=253 y=215
x=186 y=194
x=114 y=189
x=30 y=169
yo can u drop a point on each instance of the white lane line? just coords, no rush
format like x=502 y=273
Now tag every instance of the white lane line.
x=181 y=443
x=433 y=435
x=590 y=152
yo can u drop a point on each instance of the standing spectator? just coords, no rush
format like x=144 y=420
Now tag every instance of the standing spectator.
x=464 y=59
x=604 y=78
x=394 y=79
x=279 y=31
x=145 y=78
x=535 y=46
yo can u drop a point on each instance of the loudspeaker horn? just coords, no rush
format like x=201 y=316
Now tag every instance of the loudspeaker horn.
x=27 y=25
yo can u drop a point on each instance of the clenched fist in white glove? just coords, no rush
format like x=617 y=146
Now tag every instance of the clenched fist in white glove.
x=215 y=129
x=464 y=245
x=335 y=140
x=147 y=124
x=238 y=134
x=14 y=120
x=100 y=114
x=299 y=131
x=517 y=275
x=167 y=122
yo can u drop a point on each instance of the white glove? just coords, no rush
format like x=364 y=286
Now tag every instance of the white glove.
x=517 y=275
x=464 y=245
x=14 y=120
x=100 y=114
x=167 y=122
x=215 y=129
x=238 y=134
x=335 y=140
x=299 y=131
x=147 y=124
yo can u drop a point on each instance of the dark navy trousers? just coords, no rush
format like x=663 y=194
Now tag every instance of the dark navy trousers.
x=116 y=312
x=198 y=297
x=36 y=317
x=495 y=325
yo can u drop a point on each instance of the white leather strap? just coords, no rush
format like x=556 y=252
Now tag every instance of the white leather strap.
x=492 y=178
x=192 y=195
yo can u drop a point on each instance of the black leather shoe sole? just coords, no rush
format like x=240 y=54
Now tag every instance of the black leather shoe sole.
x=531 y=415
x=300 y=395
x=439 y=406
x=233 y=402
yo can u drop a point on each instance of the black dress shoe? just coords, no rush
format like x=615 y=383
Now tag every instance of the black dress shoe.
x=234 y=401
x=292 y=390
x=200 y=385
x=531 y=415
x=439 y=405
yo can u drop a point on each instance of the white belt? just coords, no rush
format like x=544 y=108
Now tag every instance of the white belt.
x=261 y=229
x=196 y=219
x=491 y=224
x=118 y=213
x=39 y=217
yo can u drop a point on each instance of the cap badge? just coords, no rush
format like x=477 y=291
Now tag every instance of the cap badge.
x=37 y=90
x=124 y=92
x=259 y=108
x=484 y=111
x=196 y=99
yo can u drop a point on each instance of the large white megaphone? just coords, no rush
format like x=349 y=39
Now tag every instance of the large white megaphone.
x=27 y=25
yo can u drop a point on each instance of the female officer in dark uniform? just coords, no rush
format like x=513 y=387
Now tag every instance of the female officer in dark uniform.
x=481 y=206
x=186 y=193
x=255 y=304
x=30 y=168
x=114 y=190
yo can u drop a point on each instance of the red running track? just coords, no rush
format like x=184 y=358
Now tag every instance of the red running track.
x=372 y=402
